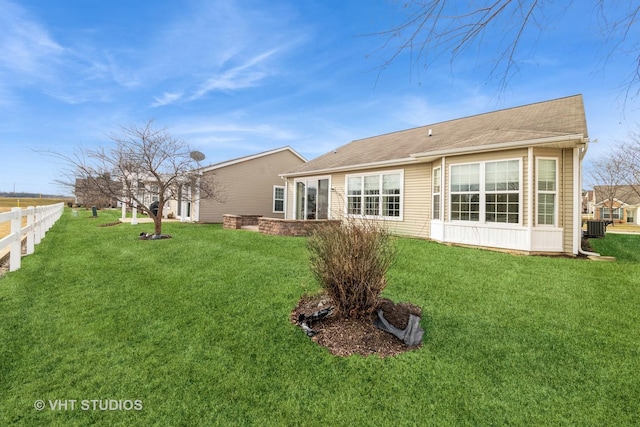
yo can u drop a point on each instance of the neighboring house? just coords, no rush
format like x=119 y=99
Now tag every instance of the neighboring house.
x=248 y=185
x=88 y=193
x=624 y=208
x=588 y=203
x=509 y=179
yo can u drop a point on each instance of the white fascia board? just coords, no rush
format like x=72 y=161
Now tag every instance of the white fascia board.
x=373 y=165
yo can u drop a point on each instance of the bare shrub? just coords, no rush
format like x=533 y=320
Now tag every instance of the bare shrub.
x=350 y=259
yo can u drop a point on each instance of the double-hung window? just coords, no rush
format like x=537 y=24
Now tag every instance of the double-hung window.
x=465 y=192
x=547 y=188
x=436 y=191
x=375 y=195
x=372 y=195
x=391 y=195
x=278 y=199
x=502 y=191
x=611 y=213
x=354 y=195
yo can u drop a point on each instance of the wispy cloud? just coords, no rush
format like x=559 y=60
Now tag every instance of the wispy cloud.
x=27 y=47
x=242 y=76
x=166 y=98
x=223 y=46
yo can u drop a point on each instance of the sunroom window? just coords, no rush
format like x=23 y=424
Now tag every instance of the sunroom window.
x=502 y=191
x=485 y=192
x=436 y=193
x=465 y=192
x=547 y=191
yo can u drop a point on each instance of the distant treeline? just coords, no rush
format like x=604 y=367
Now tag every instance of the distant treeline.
x=34 y=196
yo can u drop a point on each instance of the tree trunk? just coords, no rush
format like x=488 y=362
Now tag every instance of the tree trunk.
x=157 y=222
x=157 y=219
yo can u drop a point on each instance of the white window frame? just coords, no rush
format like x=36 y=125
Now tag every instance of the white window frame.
x=611 y=213
x=304 y=180
x=380 y=195
x=482 y=192
x=506 y=192
x=275 y=198
x=554 y=192
x=452 y=193
x=436 y=190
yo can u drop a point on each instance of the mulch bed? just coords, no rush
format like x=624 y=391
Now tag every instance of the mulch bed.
x=344 y=336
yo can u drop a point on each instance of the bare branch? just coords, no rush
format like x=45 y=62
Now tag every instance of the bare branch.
x=436 y=28
x=143 y=162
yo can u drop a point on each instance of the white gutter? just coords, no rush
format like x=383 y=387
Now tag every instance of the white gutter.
x=432 y=155
x=372 y=165
x=579 y=154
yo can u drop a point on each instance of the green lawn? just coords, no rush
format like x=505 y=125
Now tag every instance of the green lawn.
x=196 y=329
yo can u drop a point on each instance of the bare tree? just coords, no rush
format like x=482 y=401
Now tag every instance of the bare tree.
x=142 y=161
x=608 y=176
x=630 y=158
x=433 y=28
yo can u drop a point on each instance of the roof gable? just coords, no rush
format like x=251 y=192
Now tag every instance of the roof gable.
x=554 y=120
x=626 y=194
x=251 y=157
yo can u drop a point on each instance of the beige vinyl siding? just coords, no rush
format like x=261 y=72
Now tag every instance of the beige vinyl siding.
x=567 y=203
x=417 y=201
x=247 y=186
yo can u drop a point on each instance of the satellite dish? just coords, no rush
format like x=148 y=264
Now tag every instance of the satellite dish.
x=197 y=156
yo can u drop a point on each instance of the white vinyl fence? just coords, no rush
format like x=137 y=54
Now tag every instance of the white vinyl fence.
x=39 y=221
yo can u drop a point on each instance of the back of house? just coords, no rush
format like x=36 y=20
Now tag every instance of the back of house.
x=508 y=179
x=248 y=185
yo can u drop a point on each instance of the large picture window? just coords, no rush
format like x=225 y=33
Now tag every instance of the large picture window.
x=375 y=195
x=486 y=192
x=546 y=183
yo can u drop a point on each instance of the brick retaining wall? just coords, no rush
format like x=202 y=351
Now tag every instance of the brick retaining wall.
x=236 y=222
x=287 y=227
x=272 y=226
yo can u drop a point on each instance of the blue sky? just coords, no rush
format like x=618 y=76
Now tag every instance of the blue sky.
x=235 y=78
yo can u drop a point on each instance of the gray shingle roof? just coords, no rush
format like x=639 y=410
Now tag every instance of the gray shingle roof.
x=543 y=120
x=624 y=193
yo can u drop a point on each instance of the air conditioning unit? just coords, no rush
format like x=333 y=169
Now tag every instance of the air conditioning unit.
x=596 y=228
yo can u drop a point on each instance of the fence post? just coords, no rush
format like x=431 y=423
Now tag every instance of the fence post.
x=37 y=233
x=30 y=230
x=16 y=243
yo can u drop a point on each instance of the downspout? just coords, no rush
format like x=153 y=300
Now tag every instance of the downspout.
x=286 y=195
x=530 y=194
x=579 y=154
